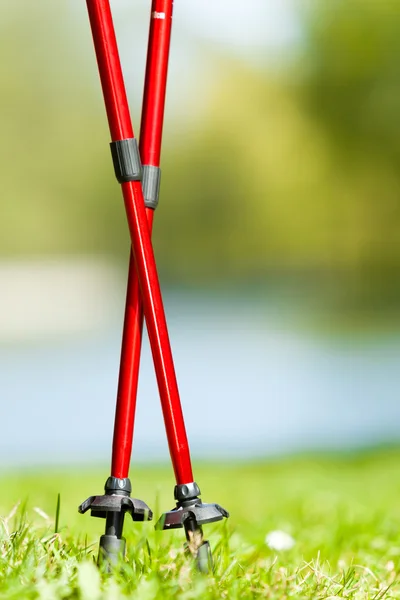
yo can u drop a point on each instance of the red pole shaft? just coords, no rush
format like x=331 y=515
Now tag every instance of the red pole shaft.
x=121 y=128
x=128 y=374
x=150 y=149
x=155 y=82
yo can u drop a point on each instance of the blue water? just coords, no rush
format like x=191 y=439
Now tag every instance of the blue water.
x=251 y=384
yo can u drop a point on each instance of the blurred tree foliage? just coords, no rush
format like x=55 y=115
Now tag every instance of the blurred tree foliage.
x=290 y=174
x=350 y=86
x=57 y=195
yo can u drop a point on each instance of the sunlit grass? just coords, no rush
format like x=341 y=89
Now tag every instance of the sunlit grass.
x=343 y=514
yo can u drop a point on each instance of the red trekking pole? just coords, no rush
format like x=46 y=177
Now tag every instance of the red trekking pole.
x=140 y=188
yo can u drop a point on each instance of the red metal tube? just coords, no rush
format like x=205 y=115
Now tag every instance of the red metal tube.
x=155 y=82
x=128 y=375
x=150 y=149
x=120 y=128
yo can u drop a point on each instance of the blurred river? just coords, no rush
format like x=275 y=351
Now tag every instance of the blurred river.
x=251 y=385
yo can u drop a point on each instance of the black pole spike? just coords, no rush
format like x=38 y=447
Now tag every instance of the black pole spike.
x=191 y=513
x=113 y=506
x=199 y=548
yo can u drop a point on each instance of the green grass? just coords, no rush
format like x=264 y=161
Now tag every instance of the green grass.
x=342 y=511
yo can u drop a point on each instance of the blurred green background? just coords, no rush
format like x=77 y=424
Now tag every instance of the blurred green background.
x=283 y=169
x=278 y=225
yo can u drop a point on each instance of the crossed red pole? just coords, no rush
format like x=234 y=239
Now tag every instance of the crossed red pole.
x=119 y=121
x=150 y=149
x=138 y=172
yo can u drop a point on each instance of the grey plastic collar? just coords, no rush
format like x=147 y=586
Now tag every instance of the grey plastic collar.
x=186 y=491
x=151 y=185
x=126 y=160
